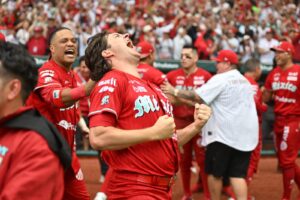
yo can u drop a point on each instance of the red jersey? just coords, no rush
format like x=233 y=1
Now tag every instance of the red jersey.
x=28 y=167
x=37 y=46
x=84 y=103
x=181 y=81
x=136 y=104
x=149 y=73
x=260 y=107
x=51 y=81
x=284 y=85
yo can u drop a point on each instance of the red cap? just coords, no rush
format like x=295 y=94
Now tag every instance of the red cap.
x=144 y=48
x=227 y=56
x=284 y=46
x=38 y=29
x=2 y=37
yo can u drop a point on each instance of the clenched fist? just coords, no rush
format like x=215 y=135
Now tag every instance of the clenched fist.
x=164 y=127
x=202 y=114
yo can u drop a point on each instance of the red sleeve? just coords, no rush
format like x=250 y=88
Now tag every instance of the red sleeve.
x=49 y=86
x=107 y=96
x=103 y=119
x=35 y=172
x=155 y=76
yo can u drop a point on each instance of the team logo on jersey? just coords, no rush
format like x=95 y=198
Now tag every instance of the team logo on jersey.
x=283 y=144
x=55 y=94
x=276 y=77
x=105 y=100
x=3 y=151
x=47 y=73
x=47 y=79
x=79 y=175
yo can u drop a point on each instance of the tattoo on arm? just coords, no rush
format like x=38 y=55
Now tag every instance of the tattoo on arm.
x=190 y=95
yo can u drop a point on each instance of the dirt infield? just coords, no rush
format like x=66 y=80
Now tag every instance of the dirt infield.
x=267 y=184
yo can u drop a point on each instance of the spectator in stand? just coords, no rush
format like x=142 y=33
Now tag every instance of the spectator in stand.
x=37 y=43
x=264 y=48
x=2 y=37
x=246 y=49
x=23 y=33
x=145 y=67
x=165 y=46
x=180 y=41
x=282 y=85
x=229 y=41
x=295 y=37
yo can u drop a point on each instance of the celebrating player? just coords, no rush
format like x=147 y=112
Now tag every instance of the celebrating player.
x=132 y=121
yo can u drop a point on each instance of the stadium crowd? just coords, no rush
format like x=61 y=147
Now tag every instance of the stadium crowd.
x=247 y=27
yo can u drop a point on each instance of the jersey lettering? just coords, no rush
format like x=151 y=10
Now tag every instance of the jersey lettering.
x=145 y=104
x=284 y=86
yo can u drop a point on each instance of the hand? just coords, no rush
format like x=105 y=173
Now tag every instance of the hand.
x=167 y=88
x=164 y=127
x=201 y=115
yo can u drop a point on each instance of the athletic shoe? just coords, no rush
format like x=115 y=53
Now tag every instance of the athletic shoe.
x=186 y=198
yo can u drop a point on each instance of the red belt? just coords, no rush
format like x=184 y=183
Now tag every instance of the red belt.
x=165 y=181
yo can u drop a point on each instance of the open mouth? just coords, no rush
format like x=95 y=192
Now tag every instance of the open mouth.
x=130 y=45
x=70 y=52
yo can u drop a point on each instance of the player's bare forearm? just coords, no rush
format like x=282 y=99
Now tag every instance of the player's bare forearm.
x=111 y=138
x=201 y=115
x=186 y=134
x=189 y=95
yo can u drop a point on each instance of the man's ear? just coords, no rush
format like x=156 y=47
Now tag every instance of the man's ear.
x=13 y=89
x=107 y=53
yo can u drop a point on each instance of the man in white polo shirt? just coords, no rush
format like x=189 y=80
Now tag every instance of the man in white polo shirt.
x=230 y=134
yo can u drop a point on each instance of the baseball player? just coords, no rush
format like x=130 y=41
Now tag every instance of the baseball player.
x=282 y=84
x=188 y=77
x=32 y=159
x=252 y=74
x=145 y=67
x=55 y=97
x=132 y=121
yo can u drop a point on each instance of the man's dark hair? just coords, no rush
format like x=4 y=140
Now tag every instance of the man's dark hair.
x=15 y=62
x=250 y=65
x=94 y=60
x=188 y=46
x=52 y=35
x=82 y=58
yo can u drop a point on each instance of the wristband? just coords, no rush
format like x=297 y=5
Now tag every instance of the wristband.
x=77 y=93
x=176 y=92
